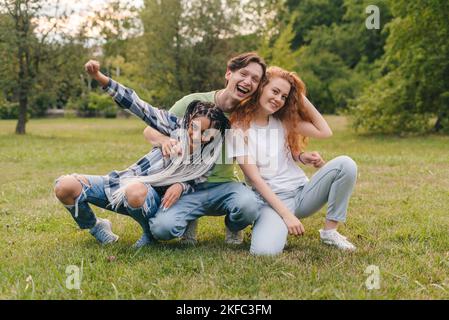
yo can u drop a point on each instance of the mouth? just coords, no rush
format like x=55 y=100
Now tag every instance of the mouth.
x=242 y=90
x=274 y=105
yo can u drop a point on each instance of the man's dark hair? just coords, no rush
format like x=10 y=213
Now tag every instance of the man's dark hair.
x=244 y=59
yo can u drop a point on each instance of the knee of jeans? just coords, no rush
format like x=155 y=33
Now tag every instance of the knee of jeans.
x=136 y=194
x=67 y=188
x=348 y=166
x=163 y=227
x=266 y=249
x=248 y=207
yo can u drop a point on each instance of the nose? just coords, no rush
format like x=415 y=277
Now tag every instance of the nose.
x=246 y=82
x=278 y=101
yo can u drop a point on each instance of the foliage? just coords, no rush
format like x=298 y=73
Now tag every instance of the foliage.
x=391 y=80
x=94 y=105
x=414 y=86
x=8 y=110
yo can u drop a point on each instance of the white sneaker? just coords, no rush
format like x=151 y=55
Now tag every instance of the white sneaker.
x=102 y=231
x=234 y=238
x=189 y=236
x=333 y=238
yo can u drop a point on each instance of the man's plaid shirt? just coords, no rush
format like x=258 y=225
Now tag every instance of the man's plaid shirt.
x=161 y=120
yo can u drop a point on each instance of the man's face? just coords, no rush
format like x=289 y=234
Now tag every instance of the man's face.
x=243 y=82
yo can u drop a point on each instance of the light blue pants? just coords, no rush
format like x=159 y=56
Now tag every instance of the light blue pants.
x=233 y=199
x=332 y=184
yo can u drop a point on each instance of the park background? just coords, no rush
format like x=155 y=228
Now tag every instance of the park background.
x=384 y=91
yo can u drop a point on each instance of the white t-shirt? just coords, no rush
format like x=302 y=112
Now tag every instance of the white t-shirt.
x=266 y=145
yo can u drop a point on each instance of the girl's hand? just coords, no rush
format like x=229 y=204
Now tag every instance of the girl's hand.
x=294 y=226
x=172 y=195
x=312 y=158
x=170 y=146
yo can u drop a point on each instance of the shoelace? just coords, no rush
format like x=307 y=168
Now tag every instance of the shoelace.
x=104 y=235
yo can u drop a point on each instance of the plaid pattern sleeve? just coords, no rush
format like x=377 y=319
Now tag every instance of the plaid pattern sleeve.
x=161 y=120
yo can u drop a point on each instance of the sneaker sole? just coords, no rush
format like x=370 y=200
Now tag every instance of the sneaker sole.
x=335 y=246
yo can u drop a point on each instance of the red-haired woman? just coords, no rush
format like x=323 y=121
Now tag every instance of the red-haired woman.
x=275 y=124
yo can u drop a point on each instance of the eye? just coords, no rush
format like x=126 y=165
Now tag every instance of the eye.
x=243 y=73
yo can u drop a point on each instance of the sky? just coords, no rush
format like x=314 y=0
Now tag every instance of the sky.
x=80 y=11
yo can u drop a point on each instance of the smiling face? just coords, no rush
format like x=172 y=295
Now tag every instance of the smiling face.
x=199 y=133
x=242 y=83
x=274 y=95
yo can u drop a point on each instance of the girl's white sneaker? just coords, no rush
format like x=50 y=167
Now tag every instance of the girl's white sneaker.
x=333 y=238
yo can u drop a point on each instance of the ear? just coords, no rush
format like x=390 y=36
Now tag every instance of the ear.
x=228 y=74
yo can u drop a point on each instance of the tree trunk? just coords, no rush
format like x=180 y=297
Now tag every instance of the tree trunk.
x=23 y=58
x=23 y=90
x=23 y=106
x=442 y=120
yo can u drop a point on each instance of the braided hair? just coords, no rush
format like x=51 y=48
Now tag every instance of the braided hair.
x=186 y=167
x=199 y=108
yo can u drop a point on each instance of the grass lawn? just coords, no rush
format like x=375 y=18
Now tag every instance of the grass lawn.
x=398 y=219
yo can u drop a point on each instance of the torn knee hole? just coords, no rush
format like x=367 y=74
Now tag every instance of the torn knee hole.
x=81 y=179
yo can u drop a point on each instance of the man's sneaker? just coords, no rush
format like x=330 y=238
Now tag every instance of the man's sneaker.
x=102 y=231
x=144 y=240
x=234 y=237
x=189 y=236
x=333 y=238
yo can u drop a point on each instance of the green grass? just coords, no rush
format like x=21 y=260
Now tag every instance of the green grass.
x=398 y=219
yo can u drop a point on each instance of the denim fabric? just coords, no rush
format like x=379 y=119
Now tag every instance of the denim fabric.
x=94 y=193
x=332 y=184
x=233 y=199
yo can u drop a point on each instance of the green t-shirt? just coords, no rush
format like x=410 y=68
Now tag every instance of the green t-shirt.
x=221 y=172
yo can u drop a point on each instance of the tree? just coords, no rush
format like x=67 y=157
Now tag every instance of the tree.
x=276 y=49
x=28 y=49
x=414 y=87
x=187 y=44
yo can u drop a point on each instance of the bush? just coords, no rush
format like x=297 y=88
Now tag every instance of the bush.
x=386 y=107
x=102 y=105
x=95 y=105
x=9 y=110
x=40 y=103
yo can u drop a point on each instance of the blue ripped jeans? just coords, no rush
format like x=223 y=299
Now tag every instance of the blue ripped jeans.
x=235 y=200
x=93 y=193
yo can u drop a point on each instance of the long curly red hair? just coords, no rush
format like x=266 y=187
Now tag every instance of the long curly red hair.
x=290 y=114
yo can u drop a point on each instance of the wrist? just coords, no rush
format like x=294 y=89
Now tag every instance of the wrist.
x=299 y=158
x=102 y=79
x=181 y=185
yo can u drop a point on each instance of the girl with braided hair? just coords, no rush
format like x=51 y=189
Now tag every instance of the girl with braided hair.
x=154 y=180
